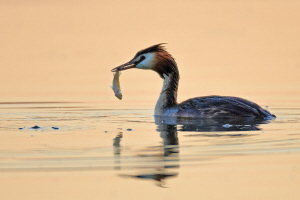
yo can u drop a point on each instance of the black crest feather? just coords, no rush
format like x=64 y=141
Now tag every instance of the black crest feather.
x=154 y=48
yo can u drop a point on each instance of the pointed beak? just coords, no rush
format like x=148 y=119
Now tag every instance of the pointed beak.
x=125 y=66
x=131 y=64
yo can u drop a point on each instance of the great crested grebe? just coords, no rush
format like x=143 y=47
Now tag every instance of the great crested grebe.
x=156 y=58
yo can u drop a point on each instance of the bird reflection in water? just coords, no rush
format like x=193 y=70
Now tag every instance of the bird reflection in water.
x=164 y=163
x=213 y=125
x=168 y=128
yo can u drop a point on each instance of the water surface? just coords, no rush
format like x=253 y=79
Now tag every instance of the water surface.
x=116 y=150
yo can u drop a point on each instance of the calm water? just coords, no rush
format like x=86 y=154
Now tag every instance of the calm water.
x=117 y=150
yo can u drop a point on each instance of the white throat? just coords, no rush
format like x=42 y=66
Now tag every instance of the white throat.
x=160 y=107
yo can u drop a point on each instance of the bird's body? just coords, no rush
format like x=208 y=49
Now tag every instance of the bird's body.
x=218 y=107
x=158 y=59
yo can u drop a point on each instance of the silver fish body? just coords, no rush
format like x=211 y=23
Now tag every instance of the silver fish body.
x=116 y=85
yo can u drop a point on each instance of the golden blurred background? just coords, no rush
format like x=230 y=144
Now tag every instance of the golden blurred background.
x=64 y=50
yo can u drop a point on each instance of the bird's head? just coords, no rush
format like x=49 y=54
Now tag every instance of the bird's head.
x=155 y=58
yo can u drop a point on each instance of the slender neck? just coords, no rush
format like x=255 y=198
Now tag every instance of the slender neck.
x=168 y=94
